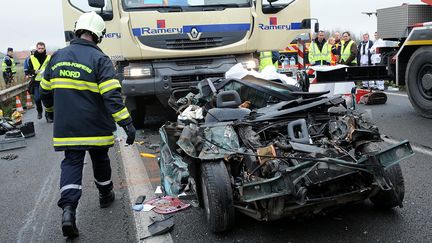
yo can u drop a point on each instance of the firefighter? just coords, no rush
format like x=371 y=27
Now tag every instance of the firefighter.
x=319 y=53
x=348 y=51
x=37 y=64
x=80 y=87
x=8 y=67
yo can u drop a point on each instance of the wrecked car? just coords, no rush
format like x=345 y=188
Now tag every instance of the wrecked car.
x=270 y=150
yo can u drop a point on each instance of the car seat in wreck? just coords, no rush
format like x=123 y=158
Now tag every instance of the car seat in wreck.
x=227 y=108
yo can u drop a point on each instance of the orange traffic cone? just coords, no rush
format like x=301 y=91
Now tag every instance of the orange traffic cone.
x=19 y=107
x=29 y=103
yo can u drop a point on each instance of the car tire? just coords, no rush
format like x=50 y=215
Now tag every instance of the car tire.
x=419 y=81
x=217 y=196
x=394 y=197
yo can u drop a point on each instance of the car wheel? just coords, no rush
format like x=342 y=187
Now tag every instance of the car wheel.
x=419 y=81
x=394 y=197
x=217 y=196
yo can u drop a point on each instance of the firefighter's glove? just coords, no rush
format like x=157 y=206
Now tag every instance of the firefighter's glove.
x=130 y=132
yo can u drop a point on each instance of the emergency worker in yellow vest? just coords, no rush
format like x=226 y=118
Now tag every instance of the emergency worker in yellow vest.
x=319 y=51
x=268 y=58
x=37 y=64
x=349 y=51
x=81 y=89
x=8 y=67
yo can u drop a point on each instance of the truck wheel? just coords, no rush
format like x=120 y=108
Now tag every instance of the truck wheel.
x=419 y=81
x=394 y=197
x=217 y=196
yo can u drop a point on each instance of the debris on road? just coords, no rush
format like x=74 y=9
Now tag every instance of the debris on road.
x=158 y=191
x=167 y=205
x=9 y=157
x=147 y=207
x=160 y=227
x=138 y=207
x=374 y=98
x=154 y=146
x=140 y=200
x=12 y=143
x=147 y=155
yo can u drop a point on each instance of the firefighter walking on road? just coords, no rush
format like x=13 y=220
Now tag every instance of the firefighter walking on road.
x=37 y=64
x=80 y=86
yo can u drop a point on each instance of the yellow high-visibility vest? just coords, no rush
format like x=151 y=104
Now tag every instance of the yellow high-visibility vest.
x=37 y=66
x=315 y=55
x=346 y=52
x=266 y=59
x=5 y=66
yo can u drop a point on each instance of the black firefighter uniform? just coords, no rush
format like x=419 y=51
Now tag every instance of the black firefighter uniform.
x=79 y=86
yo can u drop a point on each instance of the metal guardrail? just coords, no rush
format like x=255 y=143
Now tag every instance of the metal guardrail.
x=13 y=91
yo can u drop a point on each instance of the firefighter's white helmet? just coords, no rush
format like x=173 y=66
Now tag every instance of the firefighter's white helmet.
x=92 y=22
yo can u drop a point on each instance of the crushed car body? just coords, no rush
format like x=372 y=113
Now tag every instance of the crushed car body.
x=271 y=150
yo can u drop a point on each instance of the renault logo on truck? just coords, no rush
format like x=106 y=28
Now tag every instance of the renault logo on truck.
x=194 y=34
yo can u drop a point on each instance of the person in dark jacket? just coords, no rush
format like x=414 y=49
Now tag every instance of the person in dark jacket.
x=26 y=63
x=80 y=90
x=364 y=52
x=8 y=67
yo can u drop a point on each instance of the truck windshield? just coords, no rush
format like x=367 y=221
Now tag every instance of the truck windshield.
x=180 y=5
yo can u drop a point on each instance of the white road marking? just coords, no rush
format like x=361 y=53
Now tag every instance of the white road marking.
x=417 y=149
x=138 y=184
x=397 y=94
x=40 y=205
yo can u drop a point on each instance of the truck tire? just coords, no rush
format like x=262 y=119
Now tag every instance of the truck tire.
x=394 y=197
x=217 y=196
x=419 y=81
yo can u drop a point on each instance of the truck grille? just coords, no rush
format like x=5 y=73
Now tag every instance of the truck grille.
x=186 y=44
x=195 y=62
x=194 y=78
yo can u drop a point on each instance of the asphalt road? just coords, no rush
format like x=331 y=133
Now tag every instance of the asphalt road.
x=29 y=190
x=355 y=223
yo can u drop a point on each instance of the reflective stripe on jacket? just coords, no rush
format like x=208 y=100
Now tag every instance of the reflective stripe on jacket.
x=37 y=66
x=80 y=87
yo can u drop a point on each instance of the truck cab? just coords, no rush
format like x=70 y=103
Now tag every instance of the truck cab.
x=165 y=46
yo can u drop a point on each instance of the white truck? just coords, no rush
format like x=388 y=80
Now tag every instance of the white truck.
x=164 y=46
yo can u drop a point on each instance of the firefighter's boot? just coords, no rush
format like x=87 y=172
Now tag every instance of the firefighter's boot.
x=69 y=227
x=106 y=199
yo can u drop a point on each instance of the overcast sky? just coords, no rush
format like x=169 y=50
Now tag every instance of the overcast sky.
x=25 y=22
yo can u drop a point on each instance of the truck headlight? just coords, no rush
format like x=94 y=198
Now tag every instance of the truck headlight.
x=133 y=72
